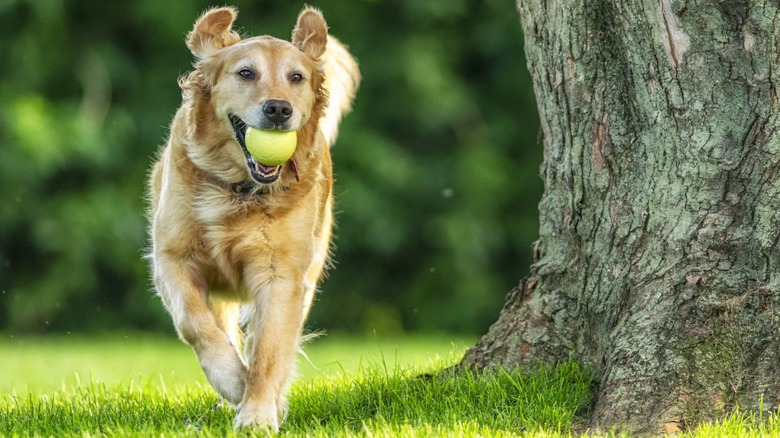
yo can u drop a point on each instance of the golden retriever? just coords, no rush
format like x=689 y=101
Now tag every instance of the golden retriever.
x=233 y=239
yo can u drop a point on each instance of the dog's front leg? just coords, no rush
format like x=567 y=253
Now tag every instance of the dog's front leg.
x=185 y=297
x=273 y=338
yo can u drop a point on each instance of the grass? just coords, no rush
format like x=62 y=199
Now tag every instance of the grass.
x=145 y=386
x=109 y=359
x=372 y=404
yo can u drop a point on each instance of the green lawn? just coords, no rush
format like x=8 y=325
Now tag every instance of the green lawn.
x=42 y=365
x=141 y=385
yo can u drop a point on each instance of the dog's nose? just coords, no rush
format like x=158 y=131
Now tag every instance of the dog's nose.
x=277 y=111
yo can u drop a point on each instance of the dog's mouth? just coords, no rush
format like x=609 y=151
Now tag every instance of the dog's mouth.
x=259 y=172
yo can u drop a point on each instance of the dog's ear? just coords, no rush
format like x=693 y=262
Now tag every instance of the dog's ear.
x=212 y=32
x=310 y=35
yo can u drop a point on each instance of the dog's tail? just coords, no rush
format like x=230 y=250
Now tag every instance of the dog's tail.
x=342 y=79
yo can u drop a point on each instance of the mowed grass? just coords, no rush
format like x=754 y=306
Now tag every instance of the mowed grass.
x=132 y=385
x=40 y=365
x=135 y=385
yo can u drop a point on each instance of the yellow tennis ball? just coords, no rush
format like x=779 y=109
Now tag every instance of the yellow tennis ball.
x=270 y=147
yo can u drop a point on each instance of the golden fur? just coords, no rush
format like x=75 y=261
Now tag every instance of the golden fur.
x=221 y=237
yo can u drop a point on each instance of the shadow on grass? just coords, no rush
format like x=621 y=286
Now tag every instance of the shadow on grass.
x=546 y=400
x=372 y=402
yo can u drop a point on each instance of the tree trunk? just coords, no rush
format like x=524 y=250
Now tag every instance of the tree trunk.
x=657 y=261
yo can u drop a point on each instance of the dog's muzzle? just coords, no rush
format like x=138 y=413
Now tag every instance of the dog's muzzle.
x=259 y=172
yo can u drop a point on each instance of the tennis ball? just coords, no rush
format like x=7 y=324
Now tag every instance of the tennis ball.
x=270 y=147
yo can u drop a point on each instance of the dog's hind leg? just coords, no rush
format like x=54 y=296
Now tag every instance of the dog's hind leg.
x=227 y=314
x=185 y=296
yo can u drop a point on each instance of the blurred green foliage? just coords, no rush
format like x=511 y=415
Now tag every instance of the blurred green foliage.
x=436 y=168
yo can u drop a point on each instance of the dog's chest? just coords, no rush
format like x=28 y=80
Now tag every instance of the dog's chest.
x=245 y=241
x=241 y=236
x=227 y=252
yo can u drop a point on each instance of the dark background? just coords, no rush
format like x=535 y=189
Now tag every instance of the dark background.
x=436 y=168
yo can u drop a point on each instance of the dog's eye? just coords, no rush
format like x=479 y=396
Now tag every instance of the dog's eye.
x=296 y=77
x=246 y=73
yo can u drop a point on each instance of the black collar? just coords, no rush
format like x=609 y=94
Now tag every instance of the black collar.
x=249 y=187
x=245 y=188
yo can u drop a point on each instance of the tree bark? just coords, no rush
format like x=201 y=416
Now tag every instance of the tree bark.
x=657 y=260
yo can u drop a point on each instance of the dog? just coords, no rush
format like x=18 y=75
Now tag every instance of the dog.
x=238 y=247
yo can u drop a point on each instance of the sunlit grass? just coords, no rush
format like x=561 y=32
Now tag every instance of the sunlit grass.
x=372 y=401
x=740 y=424
x=138 y=385
x=44 y=364
x=41 y=365
x=142 y=385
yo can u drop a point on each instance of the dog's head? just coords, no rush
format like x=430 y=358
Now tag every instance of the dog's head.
x=262 y=82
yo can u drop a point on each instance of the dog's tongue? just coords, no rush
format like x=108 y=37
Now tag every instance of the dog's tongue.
x=263 y=168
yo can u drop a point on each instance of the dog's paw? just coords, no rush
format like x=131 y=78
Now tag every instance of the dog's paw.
x=232 y=389
x=257 y=415
x=230 y=384
x=227 y=375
